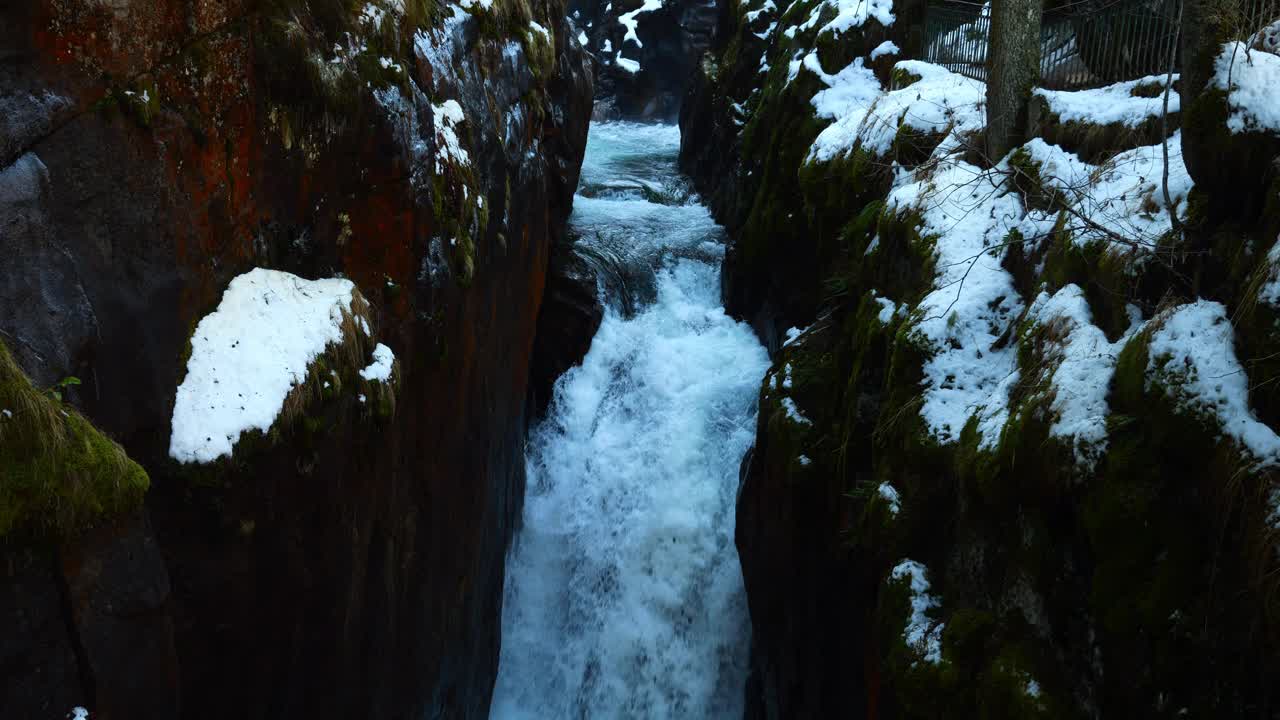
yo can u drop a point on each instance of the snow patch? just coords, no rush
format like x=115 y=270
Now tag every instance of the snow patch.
x=888 y=309
x=855 y=13
x=380 y=369
x=921 y=633
x=753 y=15
x=1111 y=104
x=794 y=413
x=1250 y=79
x=448 y=117
x=629 y=65
x=1082 y=362
x=1268 y=38
x=849 y=14
x=888 y=47
x=889 y=494
x=1123 y=195
x=939 y=101
x=849 y=90
x=794 y=334
x=248 y=354
x=973 y=301
x=630 y=22
x=1192 y=356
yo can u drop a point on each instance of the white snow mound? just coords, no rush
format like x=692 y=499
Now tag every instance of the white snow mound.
x=247 y=356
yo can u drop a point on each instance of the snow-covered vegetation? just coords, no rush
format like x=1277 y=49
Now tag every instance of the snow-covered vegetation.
x=1012 y=358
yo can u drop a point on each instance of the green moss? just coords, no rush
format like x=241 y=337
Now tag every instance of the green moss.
x=459 y=218
x=58 y=474
x=1103 y=270
x=1008 y=690
x=921 y=688
x=1218 y=158
x=902 y=265
x=1026 y=179
x=1030 y=466
x=1048 y=572
x=834 y=190
x=902 y=78
x=912 y=147
x=1189 y=584
x=1148 y=89
x=541 y=51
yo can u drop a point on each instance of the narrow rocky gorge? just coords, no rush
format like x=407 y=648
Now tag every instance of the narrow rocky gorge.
x=344 y=372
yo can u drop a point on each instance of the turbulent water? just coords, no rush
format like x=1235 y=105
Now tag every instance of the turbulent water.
x=624 y=596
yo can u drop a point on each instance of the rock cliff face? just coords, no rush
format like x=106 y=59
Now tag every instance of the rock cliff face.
x=350 y=561
x=646 y=52
x=989 y=479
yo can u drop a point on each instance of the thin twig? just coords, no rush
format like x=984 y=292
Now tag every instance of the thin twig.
x=1164 y=133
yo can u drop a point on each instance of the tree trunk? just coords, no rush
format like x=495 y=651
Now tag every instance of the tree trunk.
x=1013 y=66
x=1202 y=36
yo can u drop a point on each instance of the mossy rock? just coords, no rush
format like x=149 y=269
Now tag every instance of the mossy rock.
x=325 y=404
x=831 y=190
x=1109 y=275
x=1257 y=324
x=1184 y=551
x=901 y=265
x=902 y=78
x=1095 y=143
x=312 y=91
x=912 y=147
x=1218 y=158
x=59 y=475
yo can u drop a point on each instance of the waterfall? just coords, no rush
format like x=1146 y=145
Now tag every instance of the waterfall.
x=624 y=596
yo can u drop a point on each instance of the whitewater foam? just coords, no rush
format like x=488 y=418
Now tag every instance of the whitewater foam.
x=624 y=593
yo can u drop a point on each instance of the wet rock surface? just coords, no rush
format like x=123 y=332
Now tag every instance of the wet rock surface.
x=643 y=75
x=351 y=563
x=571 y=314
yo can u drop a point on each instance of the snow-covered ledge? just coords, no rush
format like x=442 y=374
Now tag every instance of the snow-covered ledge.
x=250 y=353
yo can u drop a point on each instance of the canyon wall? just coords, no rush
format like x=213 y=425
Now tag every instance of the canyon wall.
x=350 y=561
x=995 y=472
x=645 y=50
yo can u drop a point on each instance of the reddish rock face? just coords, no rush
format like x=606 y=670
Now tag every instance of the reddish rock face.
x=351 y=565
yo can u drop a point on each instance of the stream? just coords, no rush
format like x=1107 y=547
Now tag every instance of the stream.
x=624 y=596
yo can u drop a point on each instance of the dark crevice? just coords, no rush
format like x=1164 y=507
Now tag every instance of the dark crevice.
x=83 y=667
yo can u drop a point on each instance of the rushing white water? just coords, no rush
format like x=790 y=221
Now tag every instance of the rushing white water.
x=624 y=595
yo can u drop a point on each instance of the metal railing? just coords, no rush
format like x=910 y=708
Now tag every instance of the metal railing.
x=1084 y=43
